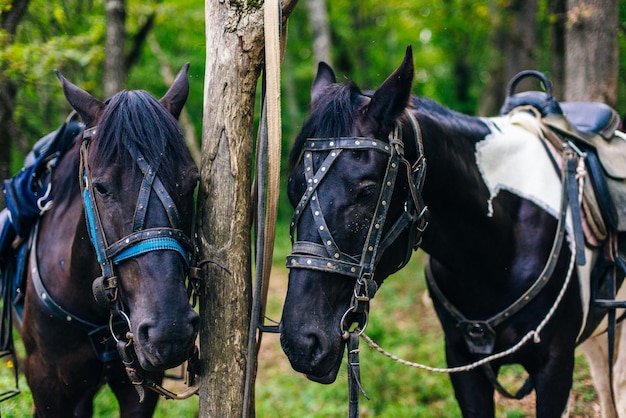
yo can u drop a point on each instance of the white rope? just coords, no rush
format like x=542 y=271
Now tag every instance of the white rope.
x=531 y=334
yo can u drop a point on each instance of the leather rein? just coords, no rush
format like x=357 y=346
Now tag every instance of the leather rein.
x=106 y=287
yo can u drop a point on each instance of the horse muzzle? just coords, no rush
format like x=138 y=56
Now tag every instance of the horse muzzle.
x=165 y=343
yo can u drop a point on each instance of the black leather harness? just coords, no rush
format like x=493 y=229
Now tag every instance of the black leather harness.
x=327 y=256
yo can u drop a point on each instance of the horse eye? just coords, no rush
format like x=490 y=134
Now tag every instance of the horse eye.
x=367 y=192
x=101 y=189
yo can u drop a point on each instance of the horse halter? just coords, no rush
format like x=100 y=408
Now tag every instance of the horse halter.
x=140 y=241
x=328 y=257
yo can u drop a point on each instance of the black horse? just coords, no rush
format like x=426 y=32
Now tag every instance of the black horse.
x=359 y=186
x=109 y=257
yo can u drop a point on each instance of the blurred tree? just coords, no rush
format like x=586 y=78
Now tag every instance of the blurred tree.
x=11 y=14
x=514 y=41
x=114 y=55
x=321 y=30
x=556 y=18
x=592 y=54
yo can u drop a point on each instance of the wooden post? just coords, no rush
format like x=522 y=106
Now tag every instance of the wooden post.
x=234 y=59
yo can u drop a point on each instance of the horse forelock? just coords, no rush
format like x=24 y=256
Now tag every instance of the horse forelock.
x=332 y=115
x=135 y=118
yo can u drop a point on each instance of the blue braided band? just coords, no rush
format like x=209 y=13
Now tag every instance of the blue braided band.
x=152 y=244
x=91 y=226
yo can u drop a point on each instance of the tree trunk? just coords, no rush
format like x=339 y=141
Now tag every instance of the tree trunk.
x=9 y=19
x=591 y=58
x=514 y=38
x=234 y=59
x=114 y=60
x=318 y=17
x=557 y=20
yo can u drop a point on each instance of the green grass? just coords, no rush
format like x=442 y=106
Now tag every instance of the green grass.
x=401 y=321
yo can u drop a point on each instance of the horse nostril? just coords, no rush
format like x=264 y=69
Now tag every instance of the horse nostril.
x=318 y=348
x=143 y=332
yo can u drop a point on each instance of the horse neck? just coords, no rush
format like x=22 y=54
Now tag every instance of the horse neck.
x=460 y=230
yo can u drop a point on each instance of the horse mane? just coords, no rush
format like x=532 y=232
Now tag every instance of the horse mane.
x=332 y=115
x=136 y=118
x=132 y=118
x=449 y=120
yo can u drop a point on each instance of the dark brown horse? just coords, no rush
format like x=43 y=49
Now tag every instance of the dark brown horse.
x=497 y=229
x=109 y=259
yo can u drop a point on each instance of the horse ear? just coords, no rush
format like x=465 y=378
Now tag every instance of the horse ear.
x=324 y=77
x=175 y=98
x=392 y=97
x=87 y=107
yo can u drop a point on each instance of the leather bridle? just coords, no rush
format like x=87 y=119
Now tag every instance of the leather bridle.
x=328 y=257
x=140 y=241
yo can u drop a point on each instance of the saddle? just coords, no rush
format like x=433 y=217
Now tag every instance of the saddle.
x=592 y=129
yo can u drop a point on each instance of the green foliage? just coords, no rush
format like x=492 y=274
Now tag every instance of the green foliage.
x=69 y=36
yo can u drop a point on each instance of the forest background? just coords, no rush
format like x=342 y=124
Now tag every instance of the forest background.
x=465 y=52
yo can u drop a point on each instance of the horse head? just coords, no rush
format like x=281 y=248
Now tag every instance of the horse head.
x=138 y=181
x=348 y=202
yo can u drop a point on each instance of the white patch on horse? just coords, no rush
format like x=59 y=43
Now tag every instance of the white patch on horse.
x=512 y=157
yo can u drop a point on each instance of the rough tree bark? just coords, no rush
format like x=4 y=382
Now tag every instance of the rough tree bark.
x=234 y=58
x=9 y=20
x=592 y=55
